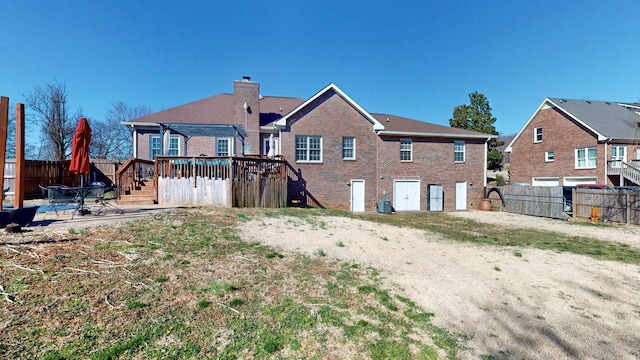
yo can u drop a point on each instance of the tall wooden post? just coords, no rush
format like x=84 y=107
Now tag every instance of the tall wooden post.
x=4 y=122
x=18 y=198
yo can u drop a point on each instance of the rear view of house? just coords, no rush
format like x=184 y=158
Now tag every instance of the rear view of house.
x=338 y=154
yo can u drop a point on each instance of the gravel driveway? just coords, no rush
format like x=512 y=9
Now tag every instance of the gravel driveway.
x=540 y=305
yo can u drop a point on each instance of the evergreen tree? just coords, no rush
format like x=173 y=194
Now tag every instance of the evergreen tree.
x=476 y=116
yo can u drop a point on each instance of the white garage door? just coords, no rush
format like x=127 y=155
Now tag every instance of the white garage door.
x=406 y=195
x=573 y=181
x=545 y=181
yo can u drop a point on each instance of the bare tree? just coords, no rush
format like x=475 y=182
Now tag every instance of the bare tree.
x=112 y=140
x=52 y=116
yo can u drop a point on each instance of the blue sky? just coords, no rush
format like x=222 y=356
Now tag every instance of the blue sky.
x=417 y=59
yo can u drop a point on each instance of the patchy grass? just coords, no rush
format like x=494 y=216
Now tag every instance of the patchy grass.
x=467 y=230
x=183 y=285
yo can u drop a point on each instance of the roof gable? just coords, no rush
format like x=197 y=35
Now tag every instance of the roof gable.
x=331 y=87
x=608 y=120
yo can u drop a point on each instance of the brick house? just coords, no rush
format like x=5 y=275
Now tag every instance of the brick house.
x=342 y=156
x=567 y=142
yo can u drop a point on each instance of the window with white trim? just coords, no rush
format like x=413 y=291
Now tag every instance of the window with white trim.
x=308 y=148
x=586 y=157
x=348 y=148
x=618 y=155
x=223 y=147
x=156 y=146
x=549 y=156
x=458 y=151
x=537 y=135
x=406 y=150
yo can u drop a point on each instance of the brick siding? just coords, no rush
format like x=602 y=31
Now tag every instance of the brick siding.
x=562 y=135
x=332 y=118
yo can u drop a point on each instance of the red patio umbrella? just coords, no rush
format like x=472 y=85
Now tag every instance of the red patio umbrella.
x=80 y=149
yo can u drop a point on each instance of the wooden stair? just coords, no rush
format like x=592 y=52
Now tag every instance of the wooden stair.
x=143 y=194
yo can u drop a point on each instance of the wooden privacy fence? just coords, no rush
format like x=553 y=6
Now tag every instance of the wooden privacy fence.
x=43 y=172
x=607 y=205
x=545 y=201
x=225 y=181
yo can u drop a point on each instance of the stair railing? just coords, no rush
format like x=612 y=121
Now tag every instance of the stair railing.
x=625 y=170
x=131 y=175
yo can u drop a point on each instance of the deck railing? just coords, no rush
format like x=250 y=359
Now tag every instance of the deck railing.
x=624 y=170
x=252 y=181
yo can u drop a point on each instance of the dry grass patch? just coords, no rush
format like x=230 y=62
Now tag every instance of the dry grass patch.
x=183 y=285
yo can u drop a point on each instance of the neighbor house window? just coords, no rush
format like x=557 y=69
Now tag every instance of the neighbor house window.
x=223 y=147
x=308 y=148
x=586 y=157
x=348 y=148
x=458 y=151
x=537 y=135
x=549 y=156
x=617 y=155
x=406 y=149
x=156 y=146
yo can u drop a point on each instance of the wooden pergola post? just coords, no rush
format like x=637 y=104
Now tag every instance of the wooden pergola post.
x=18 y=198
x=4 y=122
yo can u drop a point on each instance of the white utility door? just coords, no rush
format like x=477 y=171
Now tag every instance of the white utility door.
x=357 y=195
x=436 y=197
x=406 y=195
x=461 y=195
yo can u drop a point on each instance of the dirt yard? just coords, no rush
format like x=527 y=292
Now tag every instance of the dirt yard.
x=509 y=303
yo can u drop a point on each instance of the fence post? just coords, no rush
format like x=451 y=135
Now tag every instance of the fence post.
x=4 y=121
x=627 y=207
x=18 y=198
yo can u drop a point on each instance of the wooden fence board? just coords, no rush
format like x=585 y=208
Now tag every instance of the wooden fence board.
x=181 y=191
x=545 y=201
x=611 y=205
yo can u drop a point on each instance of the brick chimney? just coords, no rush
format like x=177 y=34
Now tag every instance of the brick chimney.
x=246 y=108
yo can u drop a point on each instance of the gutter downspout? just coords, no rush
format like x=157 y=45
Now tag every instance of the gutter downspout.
x=486 y=152
x=377 y=198
x=135 y=141
x=605 y=162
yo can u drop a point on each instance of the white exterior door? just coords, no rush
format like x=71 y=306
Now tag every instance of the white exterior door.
x=406 y=195
x=618 y=155
x=436 y=197
x=357 y=195
x=461 y=195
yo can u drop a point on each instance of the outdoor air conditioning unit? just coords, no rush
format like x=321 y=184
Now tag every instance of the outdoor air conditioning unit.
x=384 y=206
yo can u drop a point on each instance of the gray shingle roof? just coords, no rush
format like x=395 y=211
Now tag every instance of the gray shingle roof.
x=608 y=118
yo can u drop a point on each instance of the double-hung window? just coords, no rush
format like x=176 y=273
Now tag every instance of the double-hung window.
x=308 y=148
x=537 y=135
x=586 y=157
x=406 y=150
x=549 y=156
x=348 y=148
x=223 y=147
x=156 y=146
x=458 y=151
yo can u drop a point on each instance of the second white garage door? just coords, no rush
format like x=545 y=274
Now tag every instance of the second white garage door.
x=406 y=195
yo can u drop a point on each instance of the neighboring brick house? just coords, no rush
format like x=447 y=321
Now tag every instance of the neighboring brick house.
x=341 y=155
x=567 y=142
